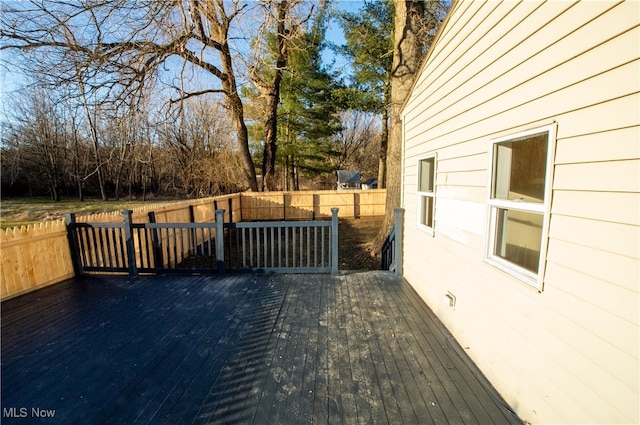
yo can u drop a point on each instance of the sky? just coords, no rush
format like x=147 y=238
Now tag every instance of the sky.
x=335 y=35
x=11 y=81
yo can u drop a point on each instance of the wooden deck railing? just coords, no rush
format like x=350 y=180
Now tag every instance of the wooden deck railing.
x=284 y=246
x=194 y=248
x=38 y=255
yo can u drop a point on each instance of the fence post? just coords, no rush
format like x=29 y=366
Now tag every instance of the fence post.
x=398 y=220
x=334 y=241
x=131 y=250
x=220 y=241
x=70 y=221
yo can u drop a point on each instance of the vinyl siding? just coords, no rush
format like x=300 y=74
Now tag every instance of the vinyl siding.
x=567 y=354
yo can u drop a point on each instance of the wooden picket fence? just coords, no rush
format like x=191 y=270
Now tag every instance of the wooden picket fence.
x=38 y=255
x=34 y=256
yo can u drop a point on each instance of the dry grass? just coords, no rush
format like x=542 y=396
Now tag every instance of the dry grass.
x=23 y=211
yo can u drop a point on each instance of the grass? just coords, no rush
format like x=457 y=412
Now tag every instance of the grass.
x=22 y=211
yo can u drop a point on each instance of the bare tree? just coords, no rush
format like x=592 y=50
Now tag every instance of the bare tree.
x=357 y=143
x=124 y=46
x=38 y=133
x=201 y=158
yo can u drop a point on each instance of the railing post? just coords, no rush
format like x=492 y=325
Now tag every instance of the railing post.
x=220 y=241
x=398 y=220
x=70 y=221
x=131 y=250
x=334 y=241
x=156 y=242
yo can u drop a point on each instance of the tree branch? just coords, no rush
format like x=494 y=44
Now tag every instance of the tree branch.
x=186 y=96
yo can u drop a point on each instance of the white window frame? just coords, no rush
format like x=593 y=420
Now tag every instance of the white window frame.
x=493 y=205
x=421 y=195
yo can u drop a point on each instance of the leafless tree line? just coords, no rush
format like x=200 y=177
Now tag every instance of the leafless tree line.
x=47 y=147
x=52 y=147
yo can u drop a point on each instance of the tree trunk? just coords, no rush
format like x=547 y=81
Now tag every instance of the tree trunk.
x=94 y=137
x=384 y=143
x=119 y=172
x=407 y=55
x=270 y=138
x=273 y=99
x=234 y=102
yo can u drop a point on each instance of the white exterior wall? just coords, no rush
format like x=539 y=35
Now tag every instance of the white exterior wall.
x=567 y=354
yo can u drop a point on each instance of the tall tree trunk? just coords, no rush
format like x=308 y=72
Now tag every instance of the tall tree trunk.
x=273 y=99
x=234 y=102
x=384 y=144
x=123 y=155
x=270 y=139
x=407 y=55
x=94 y=137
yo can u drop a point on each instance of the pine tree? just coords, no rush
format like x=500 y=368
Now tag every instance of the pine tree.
x=369 y=44
x=308 y=113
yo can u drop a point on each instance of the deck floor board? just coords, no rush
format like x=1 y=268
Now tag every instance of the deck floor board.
x=358 y=348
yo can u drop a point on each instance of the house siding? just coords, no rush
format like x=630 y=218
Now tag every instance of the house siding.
x=567 y=353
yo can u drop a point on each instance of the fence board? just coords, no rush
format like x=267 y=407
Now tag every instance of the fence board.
x=308 y=205
x=34 y=256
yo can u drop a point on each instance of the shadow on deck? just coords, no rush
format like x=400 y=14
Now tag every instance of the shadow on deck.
x=263 y=349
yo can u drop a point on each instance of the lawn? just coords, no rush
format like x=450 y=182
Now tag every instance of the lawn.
x=23 y=211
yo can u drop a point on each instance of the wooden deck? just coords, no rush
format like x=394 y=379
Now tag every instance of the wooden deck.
x=260 y=349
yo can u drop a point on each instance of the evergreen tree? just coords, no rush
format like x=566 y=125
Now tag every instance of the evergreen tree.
x=369 y=45
x=308 y=113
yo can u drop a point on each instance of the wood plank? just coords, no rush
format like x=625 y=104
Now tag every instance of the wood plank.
x=288 y=349
x=274 y=359
x=309 y=389
x=484 y=406
x=398 y=370
x=373 y=403
x=343 y=387
x=321 y=390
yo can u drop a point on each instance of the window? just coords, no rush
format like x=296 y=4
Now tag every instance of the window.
x=520 y=181
x=426 y=191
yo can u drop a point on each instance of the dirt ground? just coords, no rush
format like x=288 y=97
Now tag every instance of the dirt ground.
x=354 y=240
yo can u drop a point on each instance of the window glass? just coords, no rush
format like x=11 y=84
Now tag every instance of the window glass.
x=518 y=237
x=518 y=208
x=519 y=169
x=426 y=211
x=427 y=175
